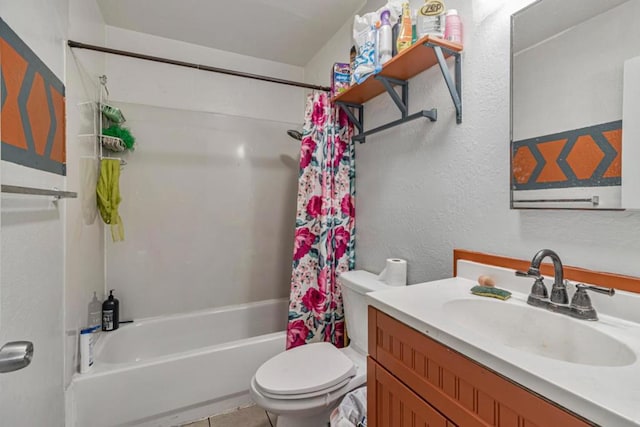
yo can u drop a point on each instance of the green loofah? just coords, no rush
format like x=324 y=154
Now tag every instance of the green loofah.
x=123 y=133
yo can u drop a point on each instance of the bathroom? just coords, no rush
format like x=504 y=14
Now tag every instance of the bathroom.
x=209 y=213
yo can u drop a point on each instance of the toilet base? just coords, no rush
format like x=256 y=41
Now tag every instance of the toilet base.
x=316 y=420
x=311 y=411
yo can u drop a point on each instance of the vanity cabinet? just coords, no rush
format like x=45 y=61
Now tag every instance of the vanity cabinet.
x=415 y=381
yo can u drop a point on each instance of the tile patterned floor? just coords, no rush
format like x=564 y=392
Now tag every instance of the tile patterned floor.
x=253 y=416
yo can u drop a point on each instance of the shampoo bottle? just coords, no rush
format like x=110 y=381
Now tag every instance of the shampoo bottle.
x=110 y=313
x=95 y=312
x=87 y=342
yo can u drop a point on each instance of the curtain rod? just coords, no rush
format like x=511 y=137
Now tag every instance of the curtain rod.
x=74 y=44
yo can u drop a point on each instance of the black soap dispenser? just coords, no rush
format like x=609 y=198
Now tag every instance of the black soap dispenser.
x=110 y=313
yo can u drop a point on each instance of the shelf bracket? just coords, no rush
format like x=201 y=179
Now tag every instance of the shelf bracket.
x=401 y=97
x=358 y=122
x=455 y=89
x=401 y=103
x=429 y=114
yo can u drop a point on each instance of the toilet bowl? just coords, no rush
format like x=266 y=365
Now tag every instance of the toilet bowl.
x=303 y=385
x=300 y=399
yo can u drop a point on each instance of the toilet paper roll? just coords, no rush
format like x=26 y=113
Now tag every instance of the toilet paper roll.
x=395 y=272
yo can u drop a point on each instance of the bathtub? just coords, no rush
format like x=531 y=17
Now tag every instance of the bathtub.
x=169 y=370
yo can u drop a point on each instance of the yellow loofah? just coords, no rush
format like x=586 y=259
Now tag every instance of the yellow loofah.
x=108 y=192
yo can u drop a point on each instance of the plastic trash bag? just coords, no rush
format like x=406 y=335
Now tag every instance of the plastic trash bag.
x=364 y=36
x=352 y=411
x=365 y=40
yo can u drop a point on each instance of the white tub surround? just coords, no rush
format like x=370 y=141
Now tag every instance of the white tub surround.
x=217 y=144
x=602 y=388
x=170 y=370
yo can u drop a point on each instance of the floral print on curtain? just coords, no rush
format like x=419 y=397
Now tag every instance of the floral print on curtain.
x=325 y=225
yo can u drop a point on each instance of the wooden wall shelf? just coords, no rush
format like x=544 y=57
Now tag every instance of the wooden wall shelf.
x=424 y=54
x=403 y=66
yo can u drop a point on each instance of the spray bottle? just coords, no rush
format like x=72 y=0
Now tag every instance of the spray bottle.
x=385 y=37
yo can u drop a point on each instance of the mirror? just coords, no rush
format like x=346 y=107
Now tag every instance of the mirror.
x=567 y=72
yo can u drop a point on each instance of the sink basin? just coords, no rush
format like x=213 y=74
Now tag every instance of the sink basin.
x=540 y=332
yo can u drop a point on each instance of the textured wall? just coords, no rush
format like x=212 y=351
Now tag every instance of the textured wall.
x=426 y=188
x=32 y=239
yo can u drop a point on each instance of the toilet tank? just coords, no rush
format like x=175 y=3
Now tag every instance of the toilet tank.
x=355 y=285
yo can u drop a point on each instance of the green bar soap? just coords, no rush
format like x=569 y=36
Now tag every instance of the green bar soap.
x=487 y=291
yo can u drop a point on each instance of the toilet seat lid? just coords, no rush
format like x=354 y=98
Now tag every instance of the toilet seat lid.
x=305 y=369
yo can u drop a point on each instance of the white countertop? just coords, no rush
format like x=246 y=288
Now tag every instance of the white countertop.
x=608 y=396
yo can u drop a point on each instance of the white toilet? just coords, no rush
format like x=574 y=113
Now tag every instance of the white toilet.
x=303 y=385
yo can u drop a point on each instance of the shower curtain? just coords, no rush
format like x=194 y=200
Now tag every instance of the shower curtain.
x=325 y=225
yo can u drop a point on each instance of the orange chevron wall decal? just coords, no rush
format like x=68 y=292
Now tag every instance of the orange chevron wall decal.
x=586 y=157
x=32 y=109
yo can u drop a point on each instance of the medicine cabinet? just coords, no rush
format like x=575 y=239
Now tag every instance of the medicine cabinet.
x=571 y=145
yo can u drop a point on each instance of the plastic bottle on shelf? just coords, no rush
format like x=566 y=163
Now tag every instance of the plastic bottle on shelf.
x=95 y=312
x=385 y=37
x=352 y=64
x=110 y=313
x=453 y=27
x=404 y=35
x=414 y=26
x=376 y=28
x=431 y=19
x=88 y=338
x=394 y=36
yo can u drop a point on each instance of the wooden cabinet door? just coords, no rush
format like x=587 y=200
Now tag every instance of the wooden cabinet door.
x=392 y=404
x=467 y=393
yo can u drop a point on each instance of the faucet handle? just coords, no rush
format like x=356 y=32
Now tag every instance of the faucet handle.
x=581 y=306
x=533 y=272
x=599 y=289
x=538 y=297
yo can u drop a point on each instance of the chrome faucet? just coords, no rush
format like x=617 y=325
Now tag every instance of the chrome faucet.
x=580 y=307
x=558 y=290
